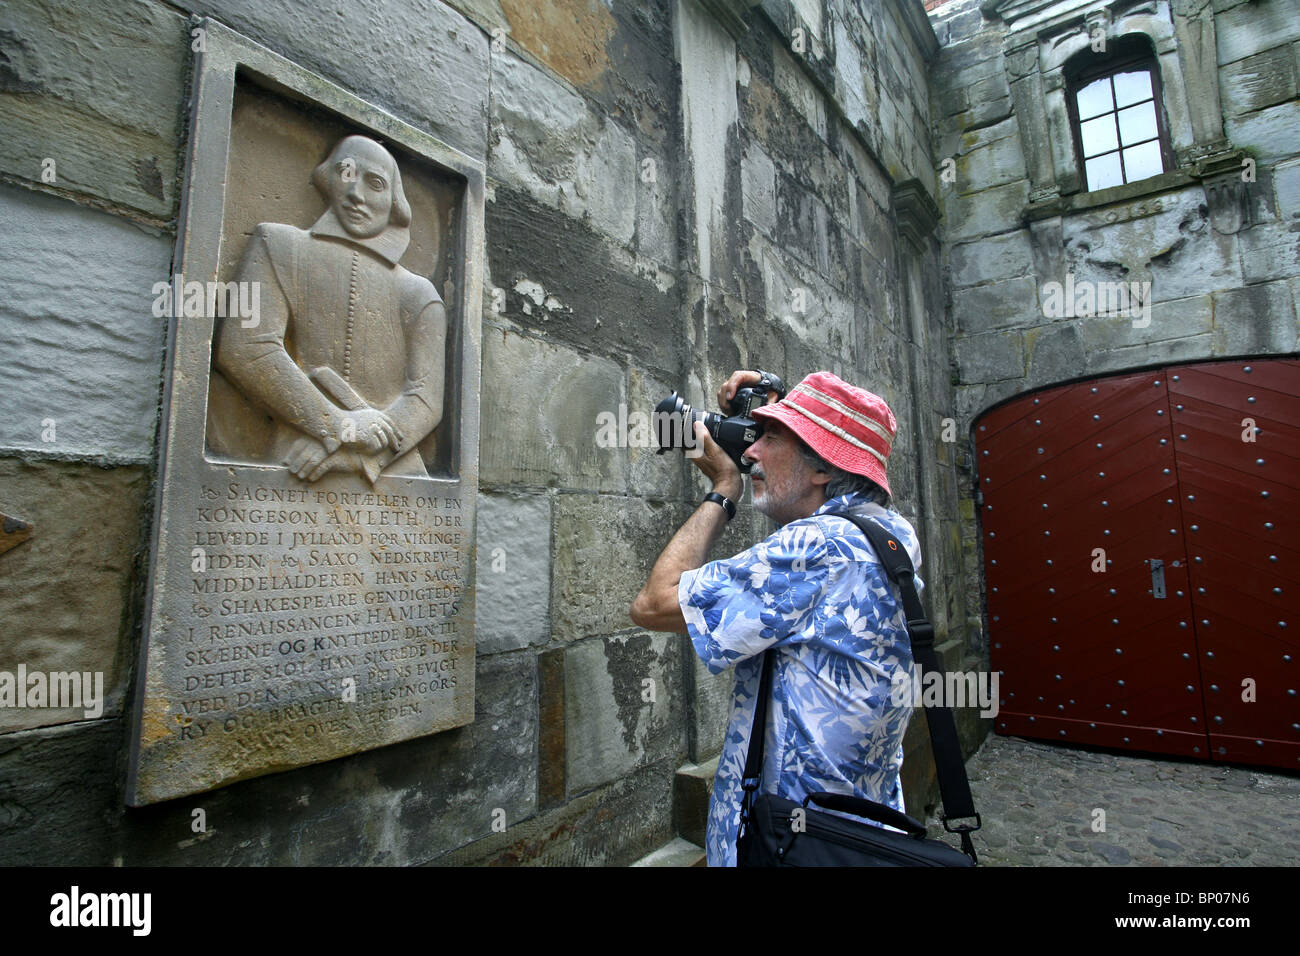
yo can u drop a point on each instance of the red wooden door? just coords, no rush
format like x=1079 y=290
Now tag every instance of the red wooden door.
x=1094 y=498
x=1239 y=501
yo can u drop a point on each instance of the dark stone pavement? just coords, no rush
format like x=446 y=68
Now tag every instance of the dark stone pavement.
x=1038 y=802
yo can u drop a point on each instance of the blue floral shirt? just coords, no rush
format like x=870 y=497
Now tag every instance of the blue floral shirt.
x=816 y=591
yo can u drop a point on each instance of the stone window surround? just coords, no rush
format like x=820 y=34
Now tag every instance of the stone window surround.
x=1043 y=35
x=1106 y=66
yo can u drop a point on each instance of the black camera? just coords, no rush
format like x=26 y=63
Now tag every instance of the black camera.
x=674 y=421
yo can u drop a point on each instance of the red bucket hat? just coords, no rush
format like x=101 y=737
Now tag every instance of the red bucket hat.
x=850 y=427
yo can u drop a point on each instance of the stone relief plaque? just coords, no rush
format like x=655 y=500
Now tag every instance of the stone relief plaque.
x=311 y=578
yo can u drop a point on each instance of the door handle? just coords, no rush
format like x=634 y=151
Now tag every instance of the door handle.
x=1157 y=578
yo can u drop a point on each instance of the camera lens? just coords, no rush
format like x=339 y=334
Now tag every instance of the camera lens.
x=674 y=420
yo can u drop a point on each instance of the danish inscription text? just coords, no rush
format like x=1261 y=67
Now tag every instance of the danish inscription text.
x=325 y=612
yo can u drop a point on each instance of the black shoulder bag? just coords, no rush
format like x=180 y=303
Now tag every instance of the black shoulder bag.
x=775 y=831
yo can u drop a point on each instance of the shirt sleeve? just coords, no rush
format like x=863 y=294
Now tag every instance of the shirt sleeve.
x=762 y=597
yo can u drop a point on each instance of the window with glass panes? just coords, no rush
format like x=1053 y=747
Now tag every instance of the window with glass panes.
x=1118 y=124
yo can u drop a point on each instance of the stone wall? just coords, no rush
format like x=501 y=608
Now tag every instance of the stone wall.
x=676 y=189
x=1017 y=218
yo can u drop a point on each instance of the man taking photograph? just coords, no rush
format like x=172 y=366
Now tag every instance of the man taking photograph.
x=813 y=590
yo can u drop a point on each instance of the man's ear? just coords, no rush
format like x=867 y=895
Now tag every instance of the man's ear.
x=820 y=477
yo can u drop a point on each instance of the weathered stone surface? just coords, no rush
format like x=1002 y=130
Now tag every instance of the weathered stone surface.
x=1161 y=352
x=990 y=259
x=964 y=53
x=711 y=700
x=976 y=214
x=1167 y=241
x=796 y=86
x=866 y=169
x=486 y=13
x=796 y=294
x=514 y=572
x=990 y=156
x=1286 y=181
x=610 y=826
x=13 y=531
x=692 y=791
x=990 y=357
x=758 y=188
x=709 y=110
x=84 y=353
x=98 y=91
x=551 y=771
x=545 y=404
x=1270 y=250
x=1254 y=319
x=1270 y=134
x=877 y=306
x=400 y=805
x=546 y=140
x=59 y=795
x=1173 y=319
x=566 y=281
x=990 y=99
x=89 y=534
x=623 y=705
x=1264 y=79
x=420 y=60
x=675 y=854
x=611 y=540
x=1249 y=28
x=1055 y=353
x=849 y=86
x=573 y=42
x=983 y=308
x=656 y=230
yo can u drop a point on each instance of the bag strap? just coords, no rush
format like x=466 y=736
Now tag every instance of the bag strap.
x=753 y=772
x=954 y=786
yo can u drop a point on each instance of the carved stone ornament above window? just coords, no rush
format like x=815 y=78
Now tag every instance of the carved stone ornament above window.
x=1046 y=39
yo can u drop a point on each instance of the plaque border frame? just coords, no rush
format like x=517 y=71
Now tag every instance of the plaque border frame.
x=226 y=58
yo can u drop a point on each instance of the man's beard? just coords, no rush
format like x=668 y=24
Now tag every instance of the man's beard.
x=763 y=499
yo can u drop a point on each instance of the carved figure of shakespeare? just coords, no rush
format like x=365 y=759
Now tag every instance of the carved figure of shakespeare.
x=348 y=354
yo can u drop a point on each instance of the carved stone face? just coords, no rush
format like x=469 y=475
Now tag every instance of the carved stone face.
x=360 y=186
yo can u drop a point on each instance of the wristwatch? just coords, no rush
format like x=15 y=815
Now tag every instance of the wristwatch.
x=728 y=505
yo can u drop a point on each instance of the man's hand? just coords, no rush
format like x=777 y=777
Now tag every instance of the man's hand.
x=740 y=379
x=717 y=464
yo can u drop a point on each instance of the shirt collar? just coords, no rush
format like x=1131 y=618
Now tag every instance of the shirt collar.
x=850 y=502
x=389 y=245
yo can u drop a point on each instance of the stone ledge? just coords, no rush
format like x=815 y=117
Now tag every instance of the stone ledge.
x=1062 y=205
x=677 y=852
x=692 y=789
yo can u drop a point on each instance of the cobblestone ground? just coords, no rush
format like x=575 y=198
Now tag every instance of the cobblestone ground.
x=1037 y=804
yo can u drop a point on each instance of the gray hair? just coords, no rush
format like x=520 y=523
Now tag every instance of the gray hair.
x=844 y=482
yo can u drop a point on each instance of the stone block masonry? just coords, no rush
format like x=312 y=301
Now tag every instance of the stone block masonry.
x=670 y=193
